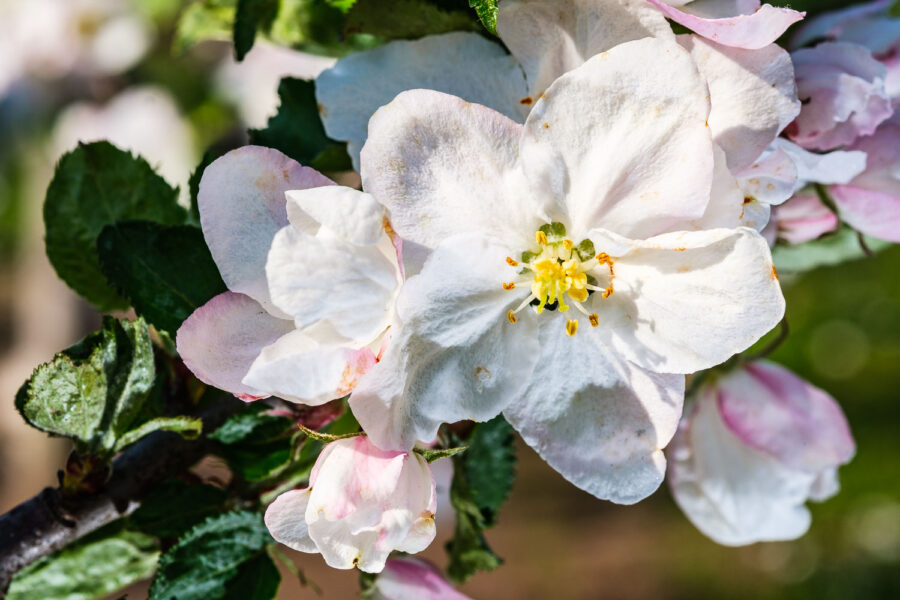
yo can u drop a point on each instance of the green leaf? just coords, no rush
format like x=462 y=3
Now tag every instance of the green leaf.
x=208 y=560
x=174 y=506
x=189 y=427
x=468 y=550
x=92 y=568
x=96 y=185
x=432 y=455
x=256 y=445
x=257 y=579
x=297 y=129
x=487 y=13
x=204 y=20
x=165 y=271
x=252 y=426
x=342 y=5
x=252 y=15
x=93 y=391
x=407 y=19
x=194 y=182
x=829 y=250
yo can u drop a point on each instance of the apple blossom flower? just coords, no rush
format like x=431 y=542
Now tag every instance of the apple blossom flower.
x=803 y=218
x=754 y=95
x=551 y=292
x=756 y=445
x=738 y=23
x=844 y=93
x=413 y=579
x=312 y=276
x=362 y=503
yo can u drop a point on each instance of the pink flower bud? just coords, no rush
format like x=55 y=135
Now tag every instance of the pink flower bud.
x=412 y=579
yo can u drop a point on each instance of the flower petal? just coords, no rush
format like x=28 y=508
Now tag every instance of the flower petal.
x=666 y=288
x=731 y=492
x=222 y=338
x=350 y=215
x=463 y=64
x=752 y=93
x=761 y=27
x=769 y=180
x=804 y=218
x=318 y=278
x=637 y=162
x=407 y=578
x=443 y=166
x=242 y=207
x=286 y=520
x=771 y=409
x=596 y=419
x=552 y=38
x=838 y=166
x=873 y=213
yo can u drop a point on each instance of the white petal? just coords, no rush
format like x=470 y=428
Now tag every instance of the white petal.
x=454 y=355
x=752 y=92
x=596 y=419
x=688 y=301
x=463 y=64
x=298 y=368
x=552 y=38
x=732 y=493
x=286 y=521
x=636 y=162
x=833 y=167
x=769 y=180
x=350 y=215
x=726 y=199
x=222 y=338
x=242 y=207
x=317 y=279
x=443 y=166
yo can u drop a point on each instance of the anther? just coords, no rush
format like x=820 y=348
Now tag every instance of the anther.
x=540 y=237
x=568 y=244
x=509 y=286
x=511 y=262
x=603 y=257
x=594 y=319
x=571 y=328
x=511 y=316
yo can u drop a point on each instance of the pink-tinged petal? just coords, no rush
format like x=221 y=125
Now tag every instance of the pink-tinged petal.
x=804 y=218
x=222 y=338
x=550 y=39
x=599 y=421
x=413 y=579
x=300 y=369
x=882 y=166
x=771 y=179
x=771 y=409
x=838 y=166
x=242 y=207
x=843 y=90
x=750 y=31
x=652 y=117
x=873 y=213
x=286 y=520
x=831 y=24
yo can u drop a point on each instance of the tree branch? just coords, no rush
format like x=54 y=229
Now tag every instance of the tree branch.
x=49 y=521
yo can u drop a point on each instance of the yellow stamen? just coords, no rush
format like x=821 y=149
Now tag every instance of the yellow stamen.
x=571 y=328
x=541 y=238
x=511 y=316
x=594 y=319
x=568 y=244
x=511 y=262
x=509 y=286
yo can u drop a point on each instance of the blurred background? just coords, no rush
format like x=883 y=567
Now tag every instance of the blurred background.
x=130 y=72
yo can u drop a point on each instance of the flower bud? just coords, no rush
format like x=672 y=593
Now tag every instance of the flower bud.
x=413 y=579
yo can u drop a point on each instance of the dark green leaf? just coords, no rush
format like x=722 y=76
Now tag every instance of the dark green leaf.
x=255 y=444
x=89 y=569
x=297 y=129
x=252 y=426
x=166 y=272
x=194 y=182
x=189 y=427
x=487 y=13
x=489 y=466
x=407 y=19
x=257 y=579
x=93 y=391
x=252 y=15
x=209 y=558
x=97 y=185
x=174 y=506
x=468 y=550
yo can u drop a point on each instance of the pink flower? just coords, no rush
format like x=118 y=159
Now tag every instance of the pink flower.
x=804 y=218
x=362 y=503
x=843 y=90
x=758 y=443
x=413 y=579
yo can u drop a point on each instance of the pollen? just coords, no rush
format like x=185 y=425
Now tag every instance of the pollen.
x=511 y=262
x=541 y=238
x=571 y=328
x=509 y=286
x=594 y=319
x=511 y=316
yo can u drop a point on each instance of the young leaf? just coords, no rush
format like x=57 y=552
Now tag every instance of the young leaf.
x=91 y=568
x=92 y=391
x=255 y=444
x=487 y=13
x=209 y=560
x=250 y=16
x=297 y=129
x=468 y=550
x=408 y=19
x=489 y=466
x=166 y=272
x=174 y=506
x=190 y=428
x=96 y=185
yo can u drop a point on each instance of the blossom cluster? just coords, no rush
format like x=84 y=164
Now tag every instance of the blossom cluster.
x=560 y=234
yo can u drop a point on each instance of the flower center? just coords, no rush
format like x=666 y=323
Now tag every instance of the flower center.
x=561 y=274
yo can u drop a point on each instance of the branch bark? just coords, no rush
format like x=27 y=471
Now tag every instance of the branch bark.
x=49 y=521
